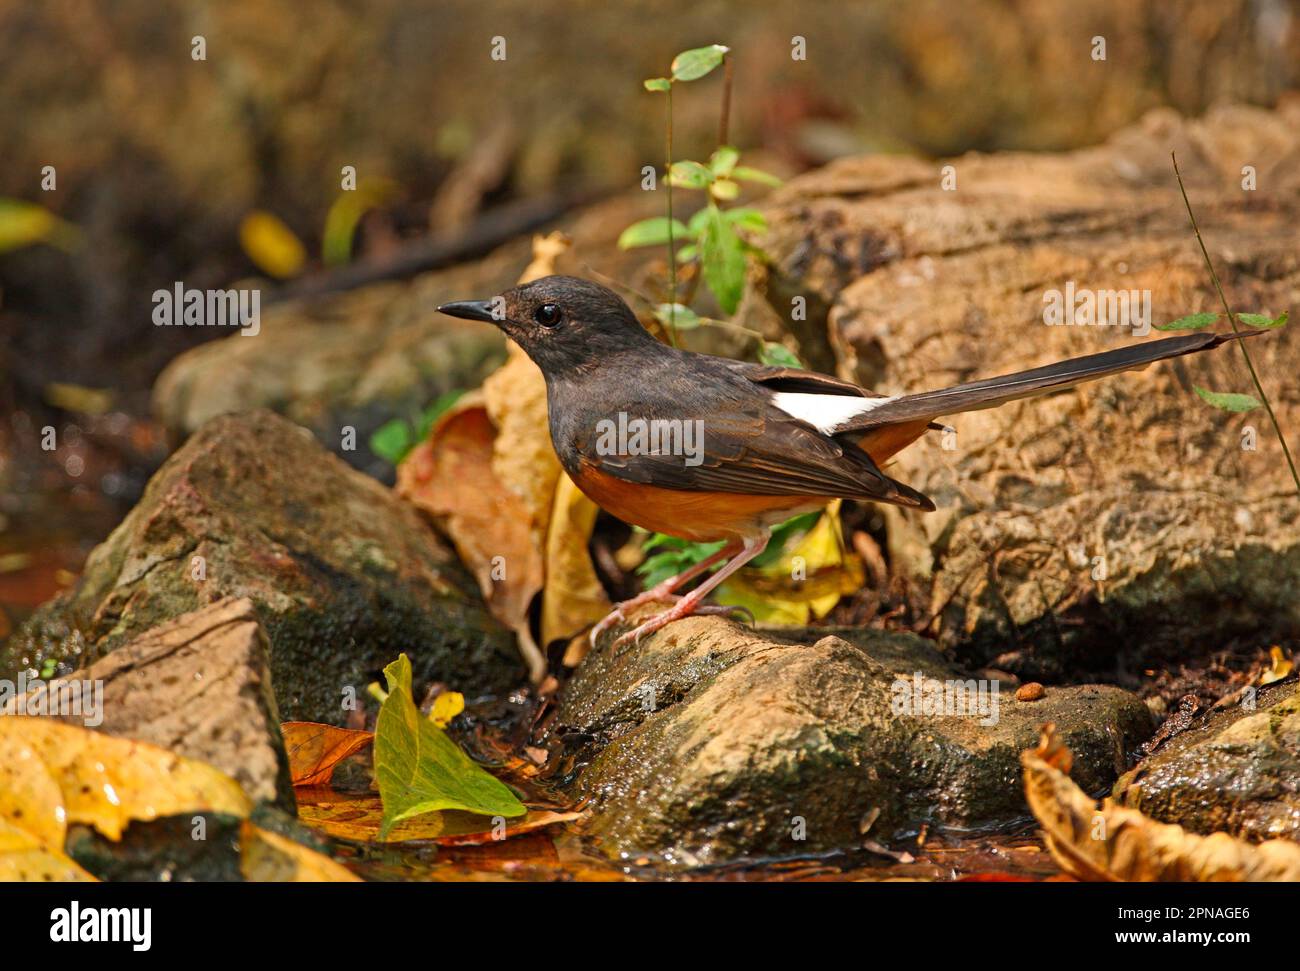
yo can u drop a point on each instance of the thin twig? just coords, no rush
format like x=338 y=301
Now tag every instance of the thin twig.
x=1232 y=319
x=725 y=122
x=672 y=255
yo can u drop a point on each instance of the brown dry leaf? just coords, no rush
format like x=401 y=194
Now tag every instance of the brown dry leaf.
x=574 y=598
x=357 y=817
x=266 y=857
x=491 y=480
x=314 y=750
x=1117 y=844
x=450 y=477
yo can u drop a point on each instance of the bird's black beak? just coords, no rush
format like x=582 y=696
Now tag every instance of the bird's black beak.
x=469 y=310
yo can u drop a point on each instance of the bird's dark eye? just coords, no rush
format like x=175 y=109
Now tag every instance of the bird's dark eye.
x=548 y=315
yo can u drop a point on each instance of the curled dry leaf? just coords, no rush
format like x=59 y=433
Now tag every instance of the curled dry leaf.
x=490 y=479
x=1115 y=844
x=315 y=750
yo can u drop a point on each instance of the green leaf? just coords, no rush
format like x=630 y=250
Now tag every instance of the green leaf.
x=1227 y=400
x=687 y=253
x=677 y=315
x=657 y=84
x=722 y=261
x=1190 y=322
x=781 y=536
x=724 y=189
x=420 y=770
x=677 y=555
x=1265 y=321
x=689 y=175
x=435 y=410
x=694 y=64
x=25 y=224
x=746 y=174
x=778 y=355
x=697 y=222
x=392 y=440
x=651 y=232
x=746 y=218
x=723 y=160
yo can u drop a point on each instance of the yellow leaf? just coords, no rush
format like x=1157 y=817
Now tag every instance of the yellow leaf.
x=271 y=244
x=344 y=214
x=25 y=224
x=806 y=582
x=446 y=706
x=1280 y=668
x=52 y=774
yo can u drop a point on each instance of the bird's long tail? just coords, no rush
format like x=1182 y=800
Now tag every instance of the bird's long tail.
x=992 y=392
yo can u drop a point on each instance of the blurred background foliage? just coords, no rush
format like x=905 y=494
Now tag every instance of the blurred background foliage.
x=161 y=159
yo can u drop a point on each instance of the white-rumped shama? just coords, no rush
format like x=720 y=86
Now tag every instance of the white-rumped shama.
x=776 y=441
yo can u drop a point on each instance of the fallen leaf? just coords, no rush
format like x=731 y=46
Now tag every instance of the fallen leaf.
x=315 y=750
x=52 y=774
x=450 y=477
x=420 y=770
x=358 y=817
x=272 y=245
x=1280 y=667
x=266 y=857
x=446 y=706
x=774 y=592
x=1112 y=843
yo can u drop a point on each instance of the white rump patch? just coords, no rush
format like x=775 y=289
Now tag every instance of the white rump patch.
x=826 y=412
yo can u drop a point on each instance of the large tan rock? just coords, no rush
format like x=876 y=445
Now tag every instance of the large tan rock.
x=199 y=686
x=709 y=741
x=1120 y=513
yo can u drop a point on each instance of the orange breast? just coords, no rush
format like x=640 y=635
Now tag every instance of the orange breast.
x=696 y=516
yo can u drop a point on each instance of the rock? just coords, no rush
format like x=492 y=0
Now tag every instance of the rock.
x=342 y=574
x=353 y=360
x=199 y=686
x=1123 y=512
x=710 y=742
x=1236 y=772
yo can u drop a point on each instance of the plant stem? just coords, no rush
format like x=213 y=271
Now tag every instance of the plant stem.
x=1232 y=319
x=725 y=122
x=672 y=255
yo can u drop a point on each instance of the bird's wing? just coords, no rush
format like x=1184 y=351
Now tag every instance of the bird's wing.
x=751 y=449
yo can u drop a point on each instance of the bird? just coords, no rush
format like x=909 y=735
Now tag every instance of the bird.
x=711 y=449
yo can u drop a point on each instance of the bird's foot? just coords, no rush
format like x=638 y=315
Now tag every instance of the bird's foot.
x=660 y=592
x=685 y=607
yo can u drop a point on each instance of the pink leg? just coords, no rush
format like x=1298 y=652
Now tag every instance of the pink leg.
x=690 y=603
x=661 y=591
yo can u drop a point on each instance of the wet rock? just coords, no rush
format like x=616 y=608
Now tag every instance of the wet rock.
x=1238 y=771
x=710 y=742
x=1123 y=512
x=199 y=686
x=342 y=574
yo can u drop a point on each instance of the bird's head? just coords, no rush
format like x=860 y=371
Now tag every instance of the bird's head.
x=563 y=323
